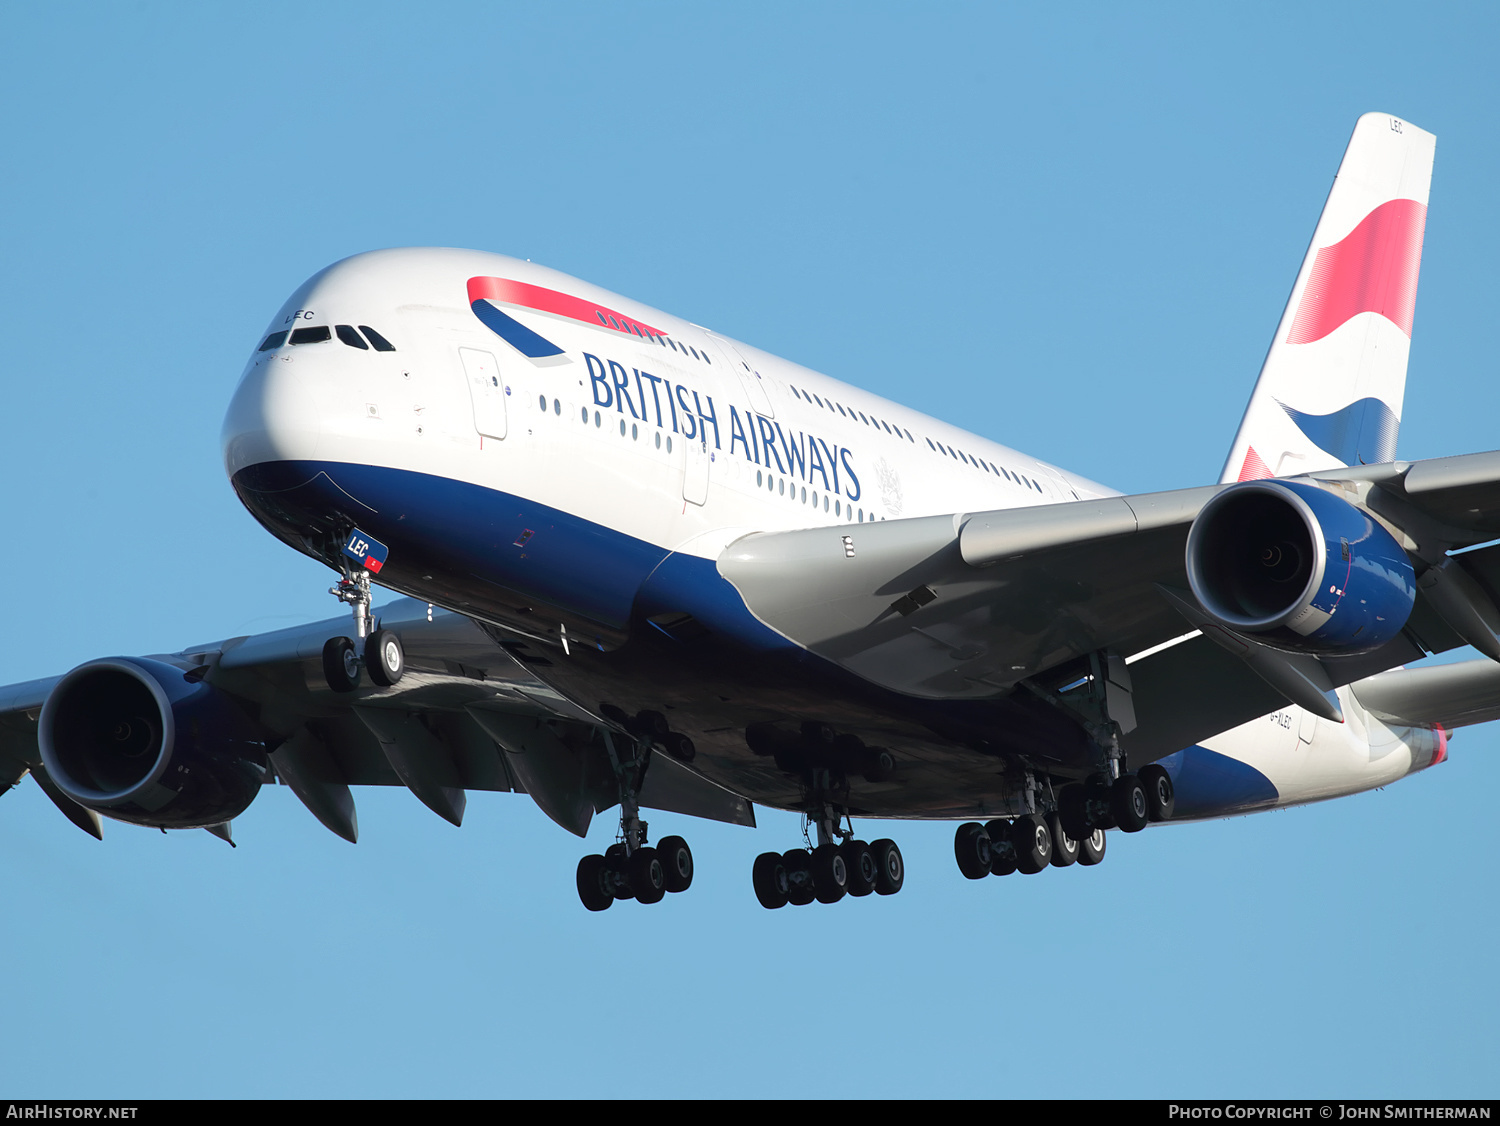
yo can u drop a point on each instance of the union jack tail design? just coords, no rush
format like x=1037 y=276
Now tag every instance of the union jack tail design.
x=1331 y=388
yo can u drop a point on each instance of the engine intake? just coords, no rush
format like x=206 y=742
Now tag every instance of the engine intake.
x=1301 y=566
x=136 y=740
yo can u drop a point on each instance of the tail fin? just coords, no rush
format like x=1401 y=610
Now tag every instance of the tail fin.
x=1330 y=390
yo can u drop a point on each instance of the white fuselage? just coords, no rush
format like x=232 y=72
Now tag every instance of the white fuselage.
x=656 y=429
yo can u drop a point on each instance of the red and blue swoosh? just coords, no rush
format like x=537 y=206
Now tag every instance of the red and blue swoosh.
x=486 y=295
x=1372 y=269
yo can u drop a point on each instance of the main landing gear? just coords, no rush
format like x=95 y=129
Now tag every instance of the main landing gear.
x=378 y=651
x=630 y=868
x=1071 y=834
x=829 y=871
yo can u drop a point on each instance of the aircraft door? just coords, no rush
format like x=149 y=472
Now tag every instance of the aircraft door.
x=750 y=379
x=486 y=391
x=695 y=470
x=1307 y=729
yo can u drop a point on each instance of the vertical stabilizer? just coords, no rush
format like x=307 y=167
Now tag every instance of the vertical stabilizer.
x=1330 y=390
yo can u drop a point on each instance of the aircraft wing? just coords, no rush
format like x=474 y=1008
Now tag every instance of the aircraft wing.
x=974 y=605
x=467 y=715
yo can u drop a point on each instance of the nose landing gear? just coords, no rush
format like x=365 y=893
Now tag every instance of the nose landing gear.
x=382 y=657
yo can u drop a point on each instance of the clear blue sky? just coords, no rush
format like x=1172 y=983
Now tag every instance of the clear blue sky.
x=1068 y=227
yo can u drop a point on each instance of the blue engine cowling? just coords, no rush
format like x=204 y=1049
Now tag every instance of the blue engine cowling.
x=1301 y=567
x=137 y=740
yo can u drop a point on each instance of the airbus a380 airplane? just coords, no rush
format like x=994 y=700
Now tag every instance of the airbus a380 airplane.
x=648 y=566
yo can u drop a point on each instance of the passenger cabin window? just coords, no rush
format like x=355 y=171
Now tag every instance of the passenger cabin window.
x=380 y=343
x=347 y=334
x=275 y=340
x=311 y=335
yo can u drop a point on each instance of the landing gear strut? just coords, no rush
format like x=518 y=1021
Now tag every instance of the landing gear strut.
x=379 y=650
x=630 y=868
x=837 y=866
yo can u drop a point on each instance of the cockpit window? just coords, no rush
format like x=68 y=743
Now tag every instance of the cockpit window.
x=380 y=342
x=275 y=340
x=311 y=335
x=350 y=337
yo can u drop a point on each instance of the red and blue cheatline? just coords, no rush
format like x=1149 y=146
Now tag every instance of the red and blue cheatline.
x=366 y=550
x=487 y=294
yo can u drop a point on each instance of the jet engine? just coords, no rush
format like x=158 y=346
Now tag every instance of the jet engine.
x=1300 y=567
x=142 y=741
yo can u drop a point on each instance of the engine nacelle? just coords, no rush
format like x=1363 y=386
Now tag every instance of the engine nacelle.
x=136 y=740
x=1300 y=566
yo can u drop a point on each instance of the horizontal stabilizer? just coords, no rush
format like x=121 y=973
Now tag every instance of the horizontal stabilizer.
x=1456 y=695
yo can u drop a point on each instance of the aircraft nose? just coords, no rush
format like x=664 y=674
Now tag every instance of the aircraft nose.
x=276 y=415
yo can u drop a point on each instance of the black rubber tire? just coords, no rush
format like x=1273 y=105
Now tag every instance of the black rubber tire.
x=340 y=664
x=1161 y=796
x=1073 y=811
x=1002 y=852
x=798 y=877
x=880 y=765
x=680 y=747
x=889 y=866
x=648 y=876
x=1064 y=844
x=1127 y=801
x=385 y=660
x=1097 y=789
x=653 y=725
x=769 y=879
x=677 y=859
x=593 y=880
x=971 y=848
x=619 y=867
x=830 y=873
x=1033 y=843
x=1091 y=848
x=861 y=864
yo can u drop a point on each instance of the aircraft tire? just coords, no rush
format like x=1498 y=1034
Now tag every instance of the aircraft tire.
x=1002 y=852
x=971 y=848
x=1073 y=811
x=1033 y=843
x=1129 y=804
x=861 y=864
x=618 y=865
x=340 y=664
x=648 y=876
x=769 y=879
x=889 y=865
x=798 y=877
x=1064 y=844
x=384 y=657
x=680 y=747
x=1097 y=791
x=830 y=873
x=677 y=860
x=1091 y=848
x=594 y=883
x=1161 y=798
